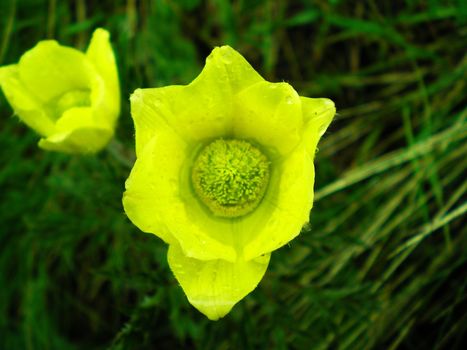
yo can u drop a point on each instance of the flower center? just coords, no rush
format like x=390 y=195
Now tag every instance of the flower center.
x=230 y=177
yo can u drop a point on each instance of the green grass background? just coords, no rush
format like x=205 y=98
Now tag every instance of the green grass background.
x=382 y=264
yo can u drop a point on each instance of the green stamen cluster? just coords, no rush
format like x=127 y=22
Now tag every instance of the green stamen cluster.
x=230 y=177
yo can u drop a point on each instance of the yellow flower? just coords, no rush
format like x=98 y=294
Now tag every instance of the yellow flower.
x=224 y=175
x=72 y=99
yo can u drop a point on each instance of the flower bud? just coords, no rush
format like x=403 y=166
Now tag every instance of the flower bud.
x=71 y=98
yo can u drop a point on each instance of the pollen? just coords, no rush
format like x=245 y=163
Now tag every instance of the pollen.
x=230 y=177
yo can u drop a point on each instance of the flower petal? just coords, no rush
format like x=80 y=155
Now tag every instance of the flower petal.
x=200 y=110
x=215 y=286
x=101 y=55
x=76 y=118
x=285 y=207
x=150 y=114
x=141 y=199
x=77 y=132
x=287 y=204
x=83 y=140
x=270 y=114
x=240 y=74
x=49 y=70
x=318 y=114
x=25 y=105
x=195 y=112
x=156 y=193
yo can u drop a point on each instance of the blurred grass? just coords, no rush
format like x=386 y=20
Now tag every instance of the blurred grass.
x=382 y=264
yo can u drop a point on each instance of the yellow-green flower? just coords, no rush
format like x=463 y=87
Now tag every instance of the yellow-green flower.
x=224 y=174
x=71 y=98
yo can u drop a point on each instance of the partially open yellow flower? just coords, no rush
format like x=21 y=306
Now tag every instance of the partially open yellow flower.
x=224 y=175
x=72 y=99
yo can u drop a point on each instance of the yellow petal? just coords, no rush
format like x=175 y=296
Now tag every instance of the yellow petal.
x=289 y=199
x=141 y=200
x=150 y=114
x=200 y=110
x=83 y=140
x=157 y=192
x=76 y=118
x=284 y=209
x=101 y=55
x=49 y=70
x=194 y=112
x=240 y=74
x=25 y=105
x=270 y=114
x=77 y=132
x=215 y=286
x=318 y=114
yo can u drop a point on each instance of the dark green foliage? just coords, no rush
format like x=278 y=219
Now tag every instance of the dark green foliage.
x=382 y=264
